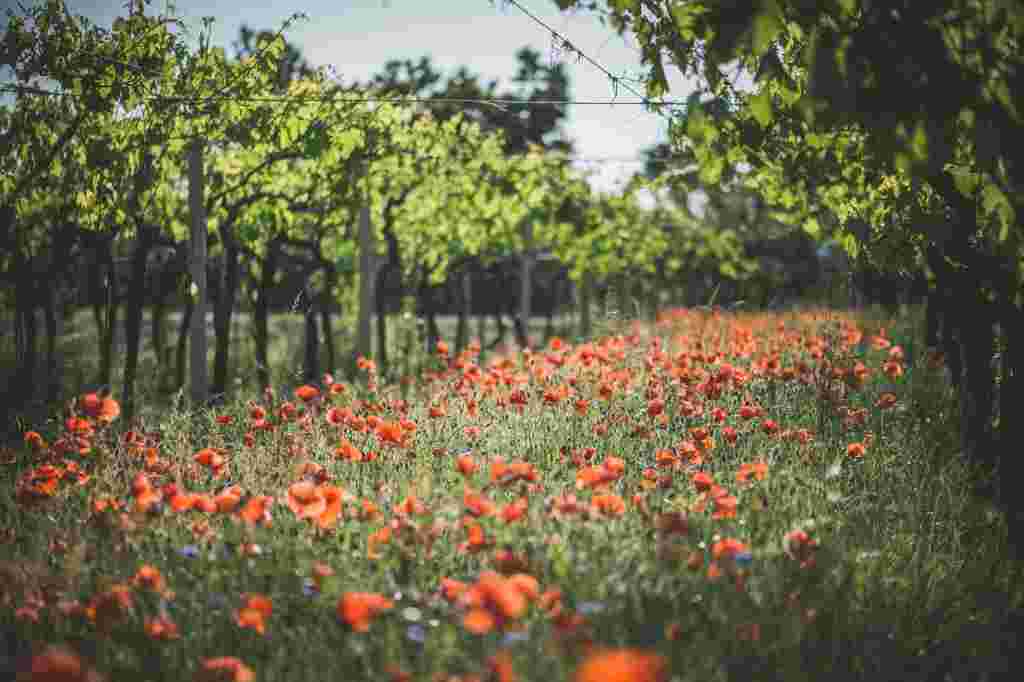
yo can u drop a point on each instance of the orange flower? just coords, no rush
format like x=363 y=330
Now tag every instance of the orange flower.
x=758 y=470
x=702 y=481
x=228 y=499
x=110 y=607
x=254 y=613
x=209 y=457
x=725 y=507
x=622 y=665
x=799 y=546
x=306 y=500
x=307 y=393
x=466 y=464
x=348 y=451
x=655 y=407
x=320 y=571
x=526 y=584
x=410 y=506
x=149 y=577
x=103 y=410
x=556 y=394
x=886 y=400
x=504 y=597
x=479 y=621
x=452 y=589
x=476 y=539
x=477 y=503
x=608 y=504
x=34 y=440
x=856 y=450
x=391 y=433
x=508 y=473
x=514 y=511
x=500 y=667
x=257 y=510
x=224 y=669
x=57 y=664
x=162 y=628
x=359 y=608
x=728 y=548
x=332 y=497
x=893 y=369
x=375 y=540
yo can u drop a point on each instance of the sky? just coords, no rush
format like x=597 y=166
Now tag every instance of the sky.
x=357 y=37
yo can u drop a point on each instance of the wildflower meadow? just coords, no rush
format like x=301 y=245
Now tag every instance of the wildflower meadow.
x=709 y=496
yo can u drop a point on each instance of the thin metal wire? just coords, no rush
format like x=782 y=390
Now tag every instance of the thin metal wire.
x=617 y=81
x=342 y=97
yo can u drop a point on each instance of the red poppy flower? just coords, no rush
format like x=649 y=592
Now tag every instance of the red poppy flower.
x=224 y=669
x=161 y=628
x=57 y=664
x=358 y=609
x=307 y=393
x=608 y=504
x=622 y=665
x=306 y=500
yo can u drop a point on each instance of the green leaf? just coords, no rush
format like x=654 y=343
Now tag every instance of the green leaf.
x=248 y=233
x=767 y=25
x=812 y=227
x=316 y=143
x=966 y=182
x=903 y=162
x=711 y=170
x=919 y=143
x=761 y=108
x=994 y=201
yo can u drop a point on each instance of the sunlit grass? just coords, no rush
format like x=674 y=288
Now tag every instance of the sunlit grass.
x=716 y=496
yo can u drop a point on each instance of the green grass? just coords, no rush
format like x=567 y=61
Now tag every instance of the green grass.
x=909 y=579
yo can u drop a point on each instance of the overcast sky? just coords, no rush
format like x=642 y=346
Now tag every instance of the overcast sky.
x=357 y=37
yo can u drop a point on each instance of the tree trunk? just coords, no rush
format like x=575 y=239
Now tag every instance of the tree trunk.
x=367 y=282
x=222 y=313
x=382 y=337
x=433 y=333
x=261 y=315
x=325 y=316
x=180 y=355
x=481 y=328
x=311 y=336
x=586 y=296
x=53 y=379
x=197 y=265
x=526 y=273
x=1011 y=431
x=625 y=296
x=157 y=317
x=977 y=394
x=133 y=320
x=110 y=305
x=26 y=334
x=465 y=300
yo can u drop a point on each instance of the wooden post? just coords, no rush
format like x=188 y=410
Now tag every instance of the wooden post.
x=367 y=271
x=197 y=268
x=527 y=278
x=585 y=295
